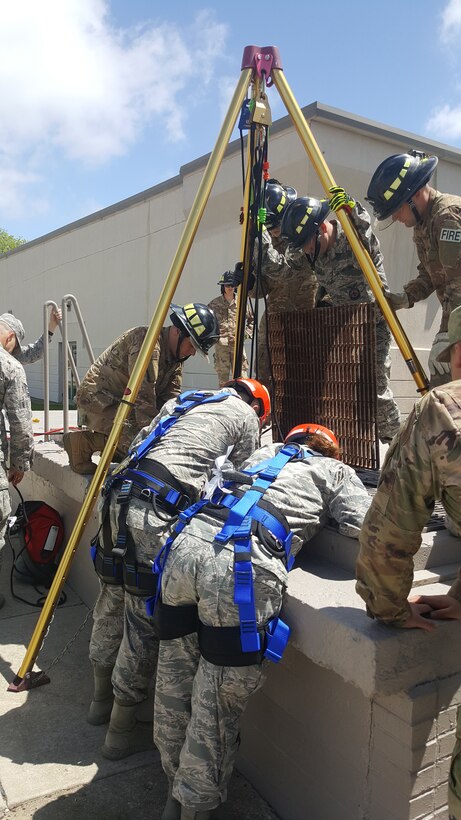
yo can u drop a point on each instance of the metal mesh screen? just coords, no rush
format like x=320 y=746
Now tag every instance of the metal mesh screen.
x=324 y=366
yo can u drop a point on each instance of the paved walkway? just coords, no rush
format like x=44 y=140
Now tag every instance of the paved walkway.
x=50 y=764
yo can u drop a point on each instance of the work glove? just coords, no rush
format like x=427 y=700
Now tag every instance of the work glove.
x=340 y=199
x=238 y=277
x=397 y=300
x=439 y=344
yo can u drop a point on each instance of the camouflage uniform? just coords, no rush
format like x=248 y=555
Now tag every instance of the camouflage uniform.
x=226 y=314
x=15 y=402
x=339 y=273
x=438 y=245
x=288 y=283
x=100 y=391
x=198 y=705
x=422 y=465
x=188 y=450
x=28 y=354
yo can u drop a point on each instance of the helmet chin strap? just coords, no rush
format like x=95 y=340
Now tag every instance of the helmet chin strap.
x=415 y=211
x=182 y=335
x=313 y=259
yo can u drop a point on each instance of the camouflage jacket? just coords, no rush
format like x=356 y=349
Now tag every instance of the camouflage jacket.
x=422 y=465
x=28 y=354
x=288 y=280
x=338 y=271
x=438 y=245
x=310 y=494
x=15 y=402
x=226 y=314
x=103 y=386
x=192 y=444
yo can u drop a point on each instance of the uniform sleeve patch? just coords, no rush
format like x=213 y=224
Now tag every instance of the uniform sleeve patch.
x=450 y=235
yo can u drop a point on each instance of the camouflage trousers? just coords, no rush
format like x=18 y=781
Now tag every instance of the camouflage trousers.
x=108 y=619
x=198 y=705
x=5 y=508
x=102 y=422
x=223 y=360
x=454 y=777
x=123 y=635
x=388 y=411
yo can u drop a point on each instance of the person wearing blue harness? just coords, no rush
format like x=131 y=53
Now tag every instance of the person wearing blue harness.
x=165 y=471
x=228 y=559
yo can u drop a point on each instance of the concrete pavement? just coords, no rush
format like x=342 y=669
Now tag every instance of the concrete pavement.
x=50 y=763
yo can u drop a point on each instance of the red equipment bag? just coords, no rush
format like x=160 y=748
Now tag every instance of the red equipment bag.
x=36 y=534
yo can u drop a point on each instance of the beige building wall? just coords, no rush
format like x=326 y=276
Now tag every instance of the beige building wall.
x=115 y=261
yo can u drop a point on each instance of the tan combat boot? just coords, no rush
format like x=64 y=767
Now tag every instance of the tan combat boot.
x=80 y=446
x=172 y=810
x=103 y=697
x=125 y=736
x=190 y=814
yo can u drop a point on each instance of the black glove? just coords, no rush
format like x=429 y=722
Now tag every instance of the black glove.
x=238 y=277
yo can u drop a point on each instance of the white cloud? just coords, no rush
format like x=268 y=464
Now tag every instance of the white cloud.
x=13 y=184
x=451 y=21
x=445 y=123
x=445 y=120
x=76 y=87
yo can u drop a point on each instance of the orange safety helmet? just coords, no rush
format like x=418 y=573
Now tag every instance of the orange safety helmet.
x=301 y=431
x=255 y=390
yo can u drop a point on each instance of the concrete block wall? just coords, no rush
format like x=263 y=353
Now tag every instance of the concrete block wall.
x=357 y=721
x=305 y=742
x=412 y=741
x=316 y=747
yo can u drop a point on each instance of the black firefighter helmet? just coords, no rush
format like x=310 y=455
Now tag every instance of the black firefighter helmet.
x=199 y=323
x=278 y=198
x=396 y=180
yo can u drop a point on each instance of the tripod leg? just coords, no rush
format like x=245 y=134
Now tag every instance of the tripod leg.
x=139 y=370
x=362 y=256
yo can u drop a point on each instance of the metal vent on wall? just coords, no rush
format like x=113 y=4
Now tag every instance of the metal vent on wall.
x=324 y=366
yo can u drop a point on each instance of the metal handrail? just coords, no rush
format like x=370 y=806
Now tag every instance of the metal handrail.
x=69 y=359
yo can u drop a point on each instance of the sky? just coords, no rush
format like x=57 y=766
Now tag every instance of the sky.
x=101 y=99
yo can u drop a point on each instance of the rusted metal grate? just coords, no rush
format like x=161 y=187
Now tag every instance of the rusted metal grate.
x=324 y=366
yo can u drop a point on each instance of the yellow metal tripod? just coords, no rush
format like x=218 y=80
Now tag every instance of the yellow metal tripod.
x=259 y=65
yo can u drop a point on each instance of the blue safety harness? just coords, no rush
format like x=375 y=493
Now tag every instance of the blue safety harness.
x=244 y=511
x=151 y=482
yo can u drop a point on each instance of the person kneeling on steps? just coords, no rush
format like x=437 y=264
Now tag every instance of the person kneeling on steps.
x=194 y=328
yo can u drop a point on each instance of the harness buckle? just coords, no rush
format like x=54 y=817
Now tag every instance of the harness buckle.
x=249 y=637
x=277 y=635
x=269 y=473
x=124 y=491
x=243 y=531
x=120 y=546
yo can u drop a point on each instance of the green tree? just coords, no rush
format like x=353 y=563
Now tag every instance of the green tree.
x=8 y=242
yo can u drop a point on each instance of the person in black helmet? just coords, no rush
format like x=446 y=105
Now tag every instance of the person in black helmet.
x=305 y=225
x=194 y=328
x=225 y=309
x=287 y=281
x=399 y=190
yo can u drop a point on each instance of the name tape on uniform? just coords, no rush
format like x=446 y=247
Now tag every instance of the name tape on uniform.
x=450 y=235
